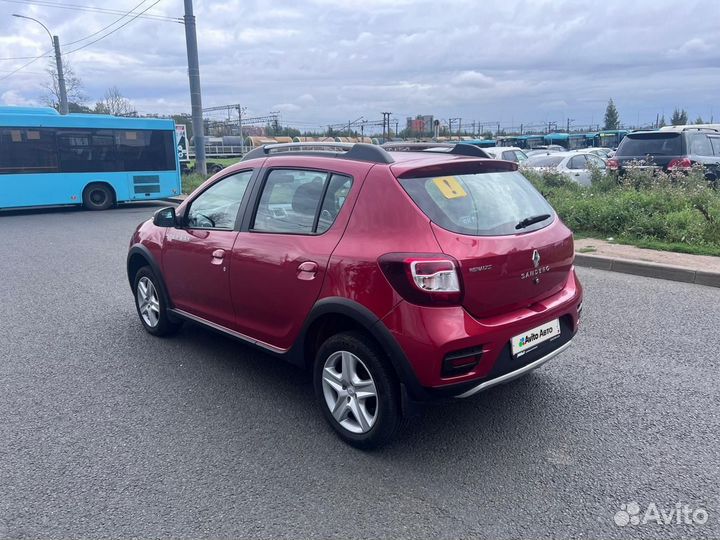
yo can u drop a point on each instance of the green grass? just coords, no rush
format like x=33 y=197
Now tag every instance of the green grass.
x=677 y=212
x=225 y=162
x=191 y=181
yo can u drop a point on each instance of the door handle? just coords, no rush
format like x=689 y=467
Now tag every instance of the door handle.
x=217 y=256
x=307 y=270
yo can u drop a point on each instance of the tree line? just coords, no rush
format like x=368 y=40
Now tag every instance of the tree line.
x=678 y=118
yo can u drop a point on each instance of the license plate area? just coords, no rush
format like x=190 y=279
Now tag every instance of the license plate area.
x=530 y=340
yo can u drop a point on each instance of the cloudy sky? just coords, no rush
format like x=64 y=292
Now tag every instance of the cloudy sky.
x=330 y=61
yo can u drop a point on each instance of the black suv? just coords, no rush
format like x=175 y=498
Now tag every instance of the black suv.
x=669 y=150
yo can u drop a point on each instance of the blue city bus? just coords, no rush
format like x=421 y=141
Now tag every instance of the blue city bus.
x=571 y=141
x=609 y=138
x=482 y=143
x=526 y=142
x=94 y=160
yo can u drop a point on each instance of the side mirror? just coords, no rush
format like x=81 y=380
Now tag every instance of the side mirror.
x=165 y=217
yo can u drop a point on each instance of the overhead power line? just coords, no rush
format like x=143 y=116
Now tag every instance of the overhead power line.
x=124 y=15
x=114 y=30
x=106 y=27
x=25 y=65
x=20 y=58
x=90 y=9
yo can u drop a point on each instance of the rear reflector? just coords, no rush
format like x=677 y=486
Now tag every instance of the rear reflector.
x=461 y=362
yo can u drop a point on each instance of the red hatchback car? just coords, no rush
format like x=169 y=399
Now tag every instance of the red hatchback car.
x=394 y=276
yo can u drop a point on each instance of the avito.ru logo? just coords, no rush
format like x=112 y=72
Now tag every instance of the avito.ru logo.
x=630 y=514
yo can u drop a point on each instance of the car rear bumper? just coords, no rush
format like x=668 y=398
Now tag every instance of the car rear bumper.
x=427 y=336
x=515 y=374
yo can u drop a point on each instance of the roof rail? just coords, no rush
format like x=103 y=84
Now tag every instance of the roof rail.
x=460 y=148
x=693 y=127
x=351 y=151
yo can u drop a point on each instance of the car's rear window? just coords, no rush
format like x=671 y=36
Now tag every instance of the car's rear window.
x=483 y=204
x=543 y=161
x=655 y=144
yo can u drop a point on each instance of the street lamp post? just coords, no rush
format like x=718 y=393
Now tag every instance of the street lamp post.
x=58 y=60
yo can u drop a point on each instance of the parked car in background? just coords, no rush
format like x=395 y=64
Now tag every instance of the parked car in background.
x=577 y=166
x=604 y=153
x=545 y=150
x=392 y=276
x=669 y=150
x=508 y=153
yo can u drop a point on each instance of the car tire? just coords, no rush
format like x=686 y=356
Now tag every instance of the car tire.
x=357 y=390
x=151 y=304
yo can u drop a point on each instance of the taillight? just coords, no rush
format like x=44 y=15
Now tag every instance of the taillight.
x=679 y=163
x=428 y=280
x=613 y=164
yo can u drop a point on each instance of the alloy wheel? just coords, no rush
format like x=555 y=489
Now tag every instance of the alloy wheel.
x=148 y=302
x=350 y=392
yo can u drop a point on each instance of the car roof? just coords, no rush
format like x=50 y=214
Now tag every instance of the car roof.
x=401 y=161
x=502 y=148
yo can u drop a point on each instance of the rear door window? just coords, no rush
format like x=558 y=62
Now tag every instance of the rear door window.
x=578 y=162
x=483 y=204
x=295 y=201
x=654 y=144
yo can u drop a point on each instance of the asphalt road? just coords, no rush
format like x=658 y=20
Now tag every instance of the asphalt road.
x=106 y=431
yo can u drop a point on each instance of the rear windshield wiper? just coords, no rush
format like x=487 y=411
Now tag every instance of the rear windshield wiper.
x=530 y=220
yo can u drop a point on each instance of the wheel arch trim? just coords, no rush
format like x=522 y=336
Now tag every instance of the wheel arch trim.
x=369 y=322
x=144 y=252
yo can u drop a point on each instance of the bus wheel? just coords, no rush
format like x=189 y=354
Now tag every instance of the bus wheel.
x=97 y=197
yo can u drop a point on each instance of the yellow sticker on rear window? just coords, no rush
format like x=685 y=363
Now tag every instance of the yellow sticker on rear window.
x=450 y=187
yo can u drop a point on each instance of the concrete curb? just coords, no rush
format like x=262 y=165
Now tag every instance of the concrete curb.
x=654 y=270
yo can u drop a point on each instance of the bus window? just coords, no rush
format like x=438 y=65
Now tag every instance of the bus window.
x=146 y=150
x=87 y=151
x=27 y=150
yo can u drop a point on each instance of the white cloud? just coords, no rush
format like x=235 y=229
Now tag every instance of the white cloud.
x=12 y=97
x=286 y=107
x=472 y=78
x=323 y=61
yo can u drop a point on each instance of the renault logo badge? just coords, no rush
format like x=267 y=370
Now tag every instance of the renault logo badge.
x=536 y=258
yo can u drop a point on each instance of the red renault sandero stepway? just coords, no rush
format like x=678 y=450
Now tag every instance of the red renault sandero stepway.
x=394 y=276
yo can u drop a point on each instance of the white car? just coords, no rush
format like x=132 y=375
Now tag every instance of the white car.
x=575 y=165
x=508 y=153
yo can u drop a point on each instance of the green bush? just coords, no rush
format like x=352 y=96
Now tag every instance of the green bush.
x=191 y=181
x=677 y=210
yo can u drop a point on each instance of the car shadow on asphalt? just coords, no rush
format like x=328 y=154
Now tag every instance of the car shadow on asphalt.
x=524 y=410
x=69 y=209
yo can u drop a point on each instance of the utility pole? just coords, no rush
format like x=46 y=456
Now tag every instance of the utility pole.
x=58 y=61
x=386 y=126
x=569 y=121
x=195 y=94
x=240 y=111
x=61 y=77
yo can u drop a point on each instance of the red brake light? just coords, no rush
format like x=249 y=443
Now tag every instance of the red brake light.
x=680 y=163
x=613 y=164
x=430 y=280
